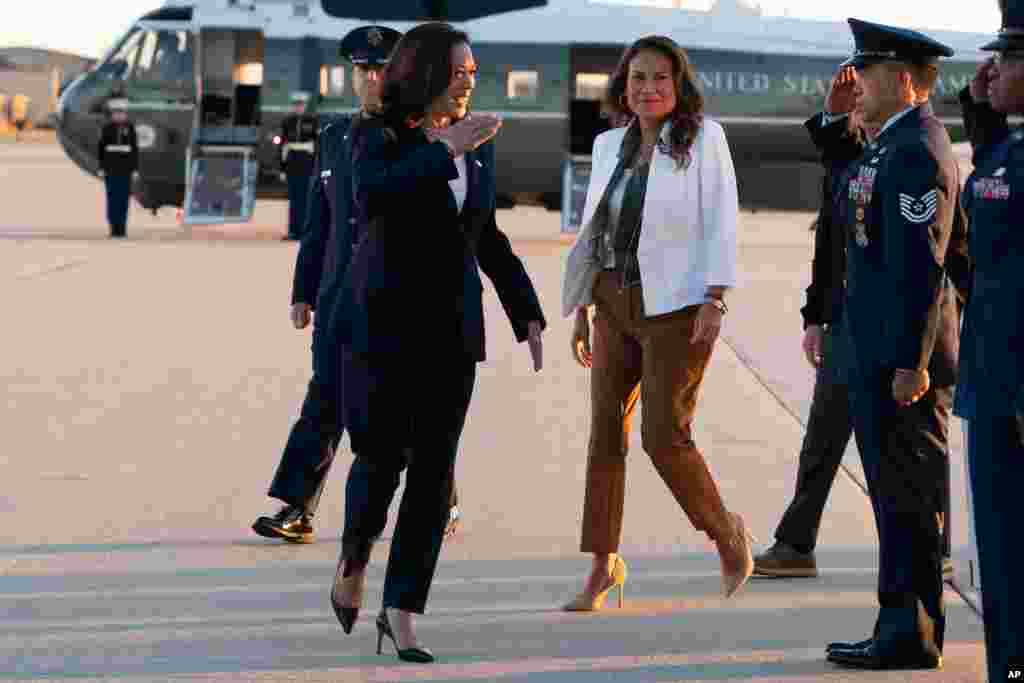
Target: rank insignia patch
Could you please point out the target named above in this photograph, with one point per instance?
(919, 209)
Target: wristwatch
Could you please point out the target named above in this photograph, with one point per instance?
(717, 303)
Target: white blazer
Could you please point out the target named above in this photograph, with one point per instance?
(688, 227)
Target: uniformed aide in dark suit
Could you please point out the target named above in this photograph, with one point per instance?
(320, 263)
(299, 132)
(990, 395)
(118, 157)
(898, 202)
(411, 311)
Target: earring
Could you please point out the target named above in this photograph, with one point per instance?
(622, 102)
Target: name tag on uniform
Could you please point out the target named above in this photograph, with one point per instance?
(992, 188)
(119, 148)
(325, 174)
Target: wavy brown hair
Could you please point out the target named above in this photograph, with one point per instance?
(688, 115)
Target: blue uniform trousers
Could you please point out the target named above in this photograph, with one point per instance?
(997, 470)
(409, 416)
(829, 428)
(311, 446)
(314, 438)
(906, 463)
(119, 193)
(298, 199)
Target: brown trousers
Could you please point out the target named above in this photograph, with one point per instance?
(651, 359)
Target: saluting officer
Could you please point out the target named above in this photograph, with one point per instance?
(299, 132)
(990, 395)
(118, 157)
(898, 202)
(841, 135)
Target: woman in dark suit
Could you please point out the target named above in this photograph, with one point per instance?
(411, 313)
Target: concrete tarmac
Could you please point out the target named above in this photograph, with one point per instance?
(148, 386)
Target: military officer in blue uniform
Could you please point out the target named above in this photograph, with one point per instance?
(990, 394)
(898, 202)
(331, 230)
(299, 132)
(118, 157)
(841, 136)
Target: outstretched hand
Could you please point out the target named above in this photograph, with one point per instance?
(469, 133)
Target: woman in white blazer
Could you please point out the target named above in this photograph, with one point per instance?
(654, 259)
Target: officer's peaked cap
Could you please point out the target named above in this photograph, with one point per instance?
(369, 45)
(880, 43)
(1011, 36)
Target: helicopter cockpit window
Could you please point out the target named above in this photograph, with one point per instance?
(120, 64)
(165, 58)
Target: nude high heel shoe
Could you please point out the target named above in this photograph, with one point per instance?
(584, 602)
(736, 556)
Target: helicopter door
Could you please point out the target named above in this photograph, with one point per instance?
(221, 166)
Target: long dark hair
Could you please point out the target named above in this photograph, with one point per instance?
(420, 71)
(688, 115)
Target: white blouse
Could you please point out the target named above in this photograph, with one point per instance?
(459, 185)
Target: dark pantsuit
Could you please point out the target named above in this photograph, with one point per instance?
(311, 447)
(310, 450)
(997, 470)
(906, 462)
(411, 417)
(119, 193)
(298, 197)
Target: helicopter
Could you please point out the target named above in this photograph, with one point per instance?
(208, 83)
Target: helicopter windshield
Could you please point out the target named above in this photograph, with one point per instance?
(150, 59)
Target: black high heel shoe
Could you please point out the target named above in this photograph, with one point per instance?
(348, 615)
(411, 654)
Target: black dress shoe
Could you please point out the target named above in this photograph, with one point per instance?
(877, 657)
(840, 645)
(291, 524)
